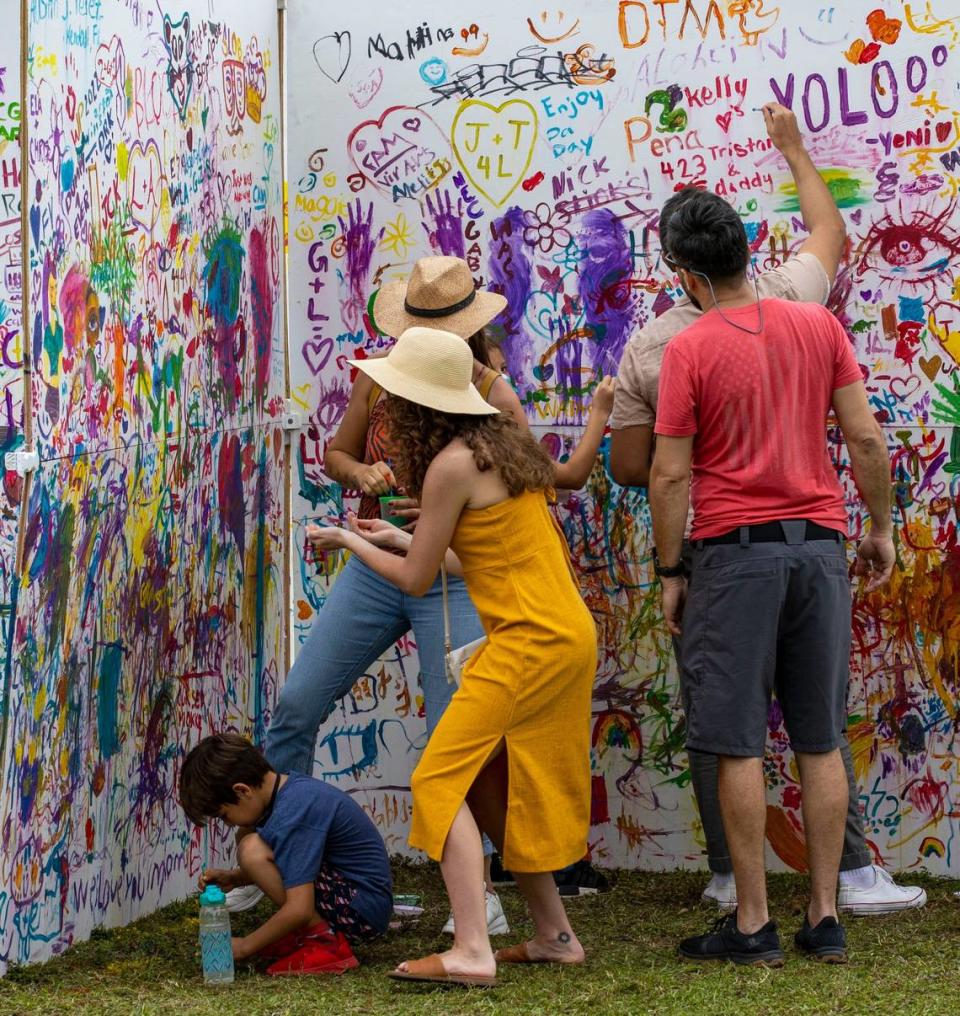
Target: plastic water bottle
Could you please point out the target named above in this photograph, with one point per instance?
(216, 951)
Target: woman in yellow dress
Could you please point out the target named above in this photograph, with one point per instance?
(511, 754)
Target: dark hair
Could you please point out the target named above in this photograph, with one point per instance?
(212, 768)
(703, 233)
(497, 443)
(671, 205)
(479, 344)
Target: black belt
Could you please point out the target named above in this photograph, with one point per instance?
(771, 532)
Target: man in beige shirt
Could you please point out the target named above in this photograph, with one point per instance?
(807, 276)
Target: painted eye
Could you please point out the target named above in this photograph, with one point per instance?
(912, 248)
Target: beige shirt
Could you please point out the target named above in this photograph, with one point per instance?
(635, 403)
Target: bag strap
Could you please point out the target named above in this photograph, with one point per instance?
(447, 641)
(487, 380)
(375, 392)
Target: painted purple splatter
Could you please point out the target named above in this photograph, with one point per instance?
(359, 243)
(230, 490)
(261, 305)
(510, 276)
(608, 304)
(444, 225)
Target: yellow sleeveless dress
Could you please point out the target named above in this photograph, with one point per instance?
(529, 686)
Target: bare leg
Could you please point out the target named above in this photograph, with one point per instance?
(744, 809)
(462, 868)
(555, 940)
(824, 785)
(255, 860)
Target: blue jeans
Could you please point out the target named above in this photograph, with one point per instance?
(363, 616)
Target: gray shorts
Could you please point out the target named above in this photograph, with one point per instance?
(759, 619)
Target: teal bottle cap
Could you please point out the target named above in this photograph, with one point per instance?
(212, 896)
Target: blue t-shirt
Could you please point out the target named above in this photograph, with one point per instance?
(312, 824)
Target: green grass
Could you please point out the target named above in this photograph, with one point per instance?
(907, 963)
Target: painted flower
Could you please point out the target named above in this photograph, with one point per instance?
(544, 229)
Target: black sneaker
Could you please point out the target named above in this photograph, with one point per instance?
(580, 879)
(498, 874)
(826, 942)
(727, 942)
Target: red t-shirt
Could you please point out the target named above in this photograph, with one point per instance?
(758, 407)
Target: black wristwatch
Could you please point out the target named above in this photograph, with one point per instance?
(675, 571)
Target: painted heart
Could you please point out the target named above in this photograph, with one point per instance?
(225, 187)
(856, 48)
(931, 367)
(861, 52)
(364, 92)
(856, 216)
(882, 28)
(494, 145)
(543, 372)
(904, 388)
(723, 119)
(332, 55)
(399, 161)
(865, 294)
(943, 130)
(316, 354)
(870, 53)
(304, 610)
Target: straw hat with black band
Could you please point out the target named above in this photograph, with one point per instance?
(432, 368)
(439, 294)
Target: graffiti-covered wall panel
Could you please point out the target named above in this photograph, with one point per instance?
(150, 607)
(11, 335)
(539, 144)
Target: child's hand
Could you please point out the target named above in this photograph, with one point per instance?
(240, 949)
(222, 877)
(602, 404)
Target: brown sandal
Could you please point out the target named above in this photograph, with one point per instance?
(521, 954)
(431, 968)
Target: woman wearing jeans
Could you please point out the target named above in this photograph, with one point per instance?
(364, 614)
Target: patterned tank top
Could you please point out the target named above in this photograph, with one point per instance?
(379, 447)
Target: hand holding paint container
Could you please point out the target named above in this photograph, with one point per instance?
(386, 501)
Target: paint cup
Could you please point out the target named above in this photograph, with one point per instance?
(386, 501)
(406, 912)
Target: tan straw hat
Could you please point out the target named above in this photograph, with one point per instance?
(431, 368)
(439, 294)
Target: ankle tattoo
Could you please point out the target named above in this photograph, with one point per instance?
(564, 938)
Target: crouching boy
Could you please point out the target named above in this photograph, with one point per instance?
(311, 849)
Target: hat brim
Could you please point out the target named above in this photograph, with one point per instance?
(391, 317)
(466, 402)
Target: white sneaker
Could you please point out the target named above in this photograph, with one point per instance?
(496, 918)
(883, 897)
(722, 892)
(246, 897)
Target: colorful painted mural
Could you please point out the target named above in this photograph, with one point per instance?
(539, 145)
(150, 597)
(11, 336)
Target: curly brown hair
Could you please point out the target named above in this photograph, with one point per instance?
(420, 434)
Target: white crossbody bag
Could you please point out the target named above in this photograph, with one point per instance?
(456, 658)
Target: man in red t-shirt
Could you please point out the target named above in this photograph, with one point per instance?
(745, 394)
